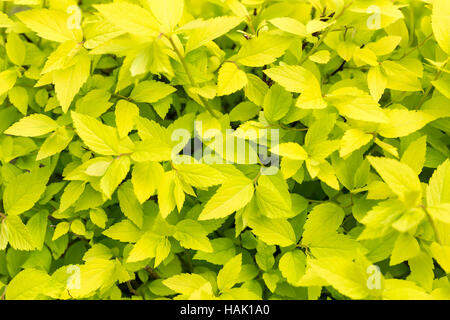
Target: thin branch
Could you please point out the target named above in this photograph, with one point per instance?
(131, 289)
(325, 34)
(433, 225)
(122, 97)
(152, 272)
(416, 47)
(190, 77)
(427, 92)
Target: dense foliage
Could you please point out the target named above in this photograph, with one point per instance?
(352, 96)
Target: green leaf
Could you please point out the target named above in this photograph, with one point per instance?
(440, 21)
(61, 229)
(301, 80)
(208, 30)
(400, 178)
(78, 227)
(33, 126)
(352, 140)
(322, 220)
(166, 193)
(145, 179)
(223, 251)
(348, 277)
(71, 194)
(130, 205)
(273, 198)
(377, 82)
(290, 25)
(229, 275)
(124, 231)
(98, 217)
(69, 81)
(115, 174)
(99, 98)
(443, 86)
(98, 137)
(5, 22)
(192, 235)
(356, 104)
(400, 77)
(231, 79)
(273, 231)
(168, 13)
(264, 256)
(29, 284)
(17, 233)
(49, 24)
(15, 49)
(63, 57)
(276, 103)
(402, 122)
(185, 283)
(290, 150)
(422, 273)
(244, 111)
(255, 90)
(292, 266)
(261, 50)
(322, 57)
(438, 190)
(94, 274)
(144, 248)
(37, 226)
(151, 91)
(440, 212)
(292, 78)
(405, 248)
(442, 255)
(22, 192)
(8, 78)
(199, 175)
(55, 143)
(233, 195)
(414, 155)
(130, 18)
(384, 45)
(126, 113)
(162, 251)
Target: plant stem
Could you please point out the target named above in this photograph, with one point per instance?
(322, 38)
(257, 176)
(427, 92)
(122, 97)
(250, 25)
(131, 289)
(293, 129)
(190, 77)
(433, 225)
(416, 47)
(187, 254)
(152, 272)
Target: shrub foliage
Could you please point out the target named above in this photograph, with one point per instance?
(352, 97)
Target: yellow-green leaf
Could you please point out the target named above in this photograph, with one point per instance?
(231, 79)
